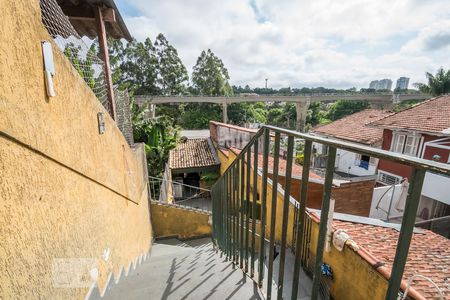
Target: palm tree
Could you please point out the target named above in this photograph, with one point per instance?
(437, 84)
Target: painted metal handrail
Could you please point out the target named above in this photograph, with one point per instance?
(234, 204)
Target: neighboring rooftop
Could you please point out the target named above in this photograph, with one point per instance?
(353, 128)
(193, 154)
(297, 169)
(428, 254)
(431, 116)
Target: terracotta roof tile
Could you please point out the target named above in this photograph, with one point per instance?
(353, 128)
(432, 116)
(429, 253)
(193, 153)
(296, 168)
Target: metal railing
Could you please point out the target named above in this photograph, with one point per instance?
(181, 194)
(235, 196)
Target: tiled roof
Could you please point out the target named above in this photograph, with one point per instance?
(353, 128)
(431, 116)
(429, 253)
(192, 153)
(296, 168)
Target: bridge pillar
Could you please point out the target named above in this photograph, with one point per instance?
(302, 110)
(224, 112)
(151, 111)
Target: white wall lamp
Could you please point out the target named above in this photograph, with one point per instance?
(49, 67)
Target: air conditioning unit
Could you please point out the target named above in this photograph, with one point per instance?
(388, 178)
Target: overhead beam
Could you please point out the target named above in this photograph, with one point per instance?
(382, 98)
(89, 13)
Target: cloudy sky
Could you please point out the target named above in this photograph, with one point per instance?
(295, 43)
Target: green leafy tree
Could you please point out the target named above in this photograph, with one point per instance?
(138, 68)
(342, 108)
(282, 115)
(172, 74)
(438, 84)
(241, 113)
(159, 136)
(210, 77)
(116, 49)
(317, 114)
(198, 115)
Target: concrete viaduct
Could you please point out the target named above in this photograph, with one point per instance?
(301, 101)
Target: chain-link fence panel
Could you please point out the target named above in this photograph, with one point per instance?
(81, 51)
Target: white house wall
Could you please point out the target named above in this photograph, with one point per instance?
(382, 196)
(231, 137)
(437, 187)
(346, 162)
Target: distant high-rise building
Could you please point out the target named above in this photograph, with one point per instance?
(402, 83)
(374, 84)
(383, 84)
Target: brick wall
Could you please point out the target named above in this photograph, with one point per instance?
(351, 198)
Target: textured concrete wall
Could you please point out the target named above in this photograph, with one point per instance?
(66, 191)
(174, 221)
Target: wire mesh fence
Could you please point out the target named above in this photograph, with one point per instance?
(81, 52)
(123, 114)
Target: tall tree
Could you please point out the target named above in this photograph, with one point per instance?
(437, 84)
(172, 74)
(210, 77)
(138, 67)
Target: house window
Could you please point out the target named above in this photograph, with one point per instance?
(364, 161)
(406, 144)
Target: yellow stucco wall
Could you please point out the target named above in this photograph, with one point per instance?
(226, 161)
(66, 191)
(354, 278)
(184, 223)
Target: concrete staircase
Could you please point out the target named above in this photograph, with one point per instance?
(184, 270)
(194, 270)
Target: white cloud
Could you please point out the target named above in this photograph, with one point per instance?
(304, 43)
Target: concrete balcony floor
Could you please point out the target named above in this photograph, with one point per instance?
(194, 270)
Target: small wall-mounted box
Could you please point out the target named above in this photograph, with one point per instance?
(101, 123)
